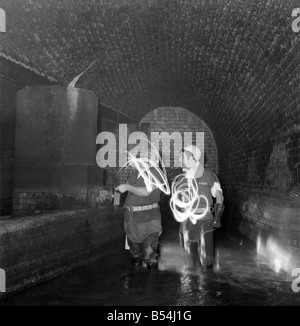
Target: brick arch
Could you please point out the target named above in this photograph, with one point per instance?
(177, 119)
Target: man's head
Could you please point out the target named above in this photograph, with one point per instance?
(190, 156)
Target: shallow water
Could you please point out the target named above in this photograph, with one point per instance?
(239, 278)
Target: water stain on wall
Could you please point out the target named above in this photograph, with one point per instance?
(293, 150)
(277, 171)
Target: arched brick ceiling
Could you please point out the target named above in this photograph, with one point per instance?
(221, 59)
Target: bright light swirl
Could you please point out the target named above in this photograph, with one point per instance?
(185, 199)
(143, 165)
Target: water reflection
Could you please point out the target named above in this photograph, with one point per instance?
(274, 255)
(237, 279)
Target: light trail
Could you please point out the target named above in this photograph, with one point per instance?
(144, 166)
(185, 199)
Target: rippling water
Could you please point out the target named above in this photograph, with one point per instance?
(239, 278)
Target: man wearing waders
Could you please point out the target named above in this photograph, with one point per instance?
(142, 218)
(201, 231)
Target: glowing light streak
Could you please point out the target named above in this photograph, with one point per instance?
(144, 166)
(185, 199)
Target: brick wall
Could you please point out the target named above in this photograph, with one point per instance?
(37, 248)
(176, 119)
(165, 119)
(261, 170)
(33, 202)
(263, 190)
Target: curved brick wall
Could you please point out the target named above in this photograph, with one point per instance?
(171, 119)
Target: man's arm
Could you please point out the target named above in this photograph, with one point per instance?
(219, 208)
(139, 191)
(217, 192)
(219, 197)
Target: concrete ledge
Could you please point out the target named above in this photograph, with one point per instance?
(34, 249)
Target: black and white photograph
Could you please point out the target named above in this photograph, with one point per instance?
(149, 155)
